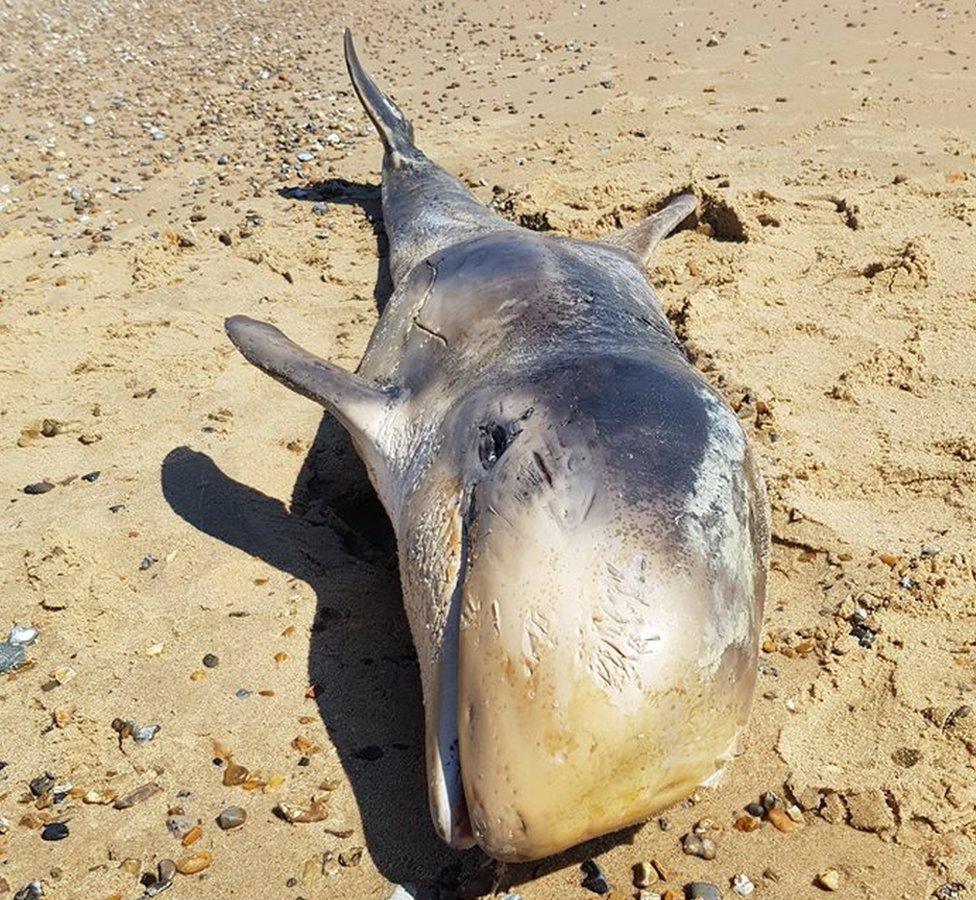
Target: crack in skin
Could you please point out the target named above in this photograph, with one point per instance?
(415, 318)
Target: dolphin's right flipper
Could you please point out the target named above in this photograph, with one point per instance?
(363, 409)
(642, 238)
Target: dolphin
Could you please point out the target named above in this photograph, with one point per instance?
(582, 530)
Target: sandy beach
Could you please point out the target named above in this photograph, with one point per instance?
(200, 550)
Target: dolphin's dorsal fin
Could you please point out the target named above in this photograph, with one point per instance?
(394, 128)
(642, 239)
(361, 408)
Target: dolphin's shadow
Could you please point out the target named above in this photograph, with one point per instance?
(361, 652)
(368, 198)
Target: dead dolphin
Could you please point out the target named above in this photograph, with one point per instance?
(582, 530)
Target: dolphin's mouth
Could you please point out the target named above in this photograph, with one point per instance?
(449, 806)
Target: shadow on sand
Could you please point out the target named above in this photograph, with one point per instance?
(335, 536)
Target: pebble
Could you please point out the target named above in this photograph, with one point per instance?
(40, 785)
(178, 826)
(144, 792)
(23, 635)
(698, 845)
(702, 890)
(317, 811)
(30, 891)
(12, 657)
(756, 809)
(742, 885)
(644, 875)
(234, 775)
(211, 660)
(231, 817)
(56, 831)
(747, 823)
(951, 890)
(196, 862)
(38, 487)
(166, 870)
(351, 858)
(829, 880)
(781, 820)
(100, 796)
(594, 878)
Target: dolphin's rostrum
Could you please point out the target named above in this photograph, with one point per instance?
(582, 531)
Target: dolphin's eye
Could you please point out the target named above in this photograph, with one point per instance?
(492, 443)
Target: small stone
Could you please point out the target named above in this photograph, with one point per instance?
(311, 872)
(594, 878)
(178, 825)
(30, 891)
(305, 156)
(951, 890)
(196, 862)
(742, 885)
(644, 875)
(829, 880)
(100, 796)
(756, 809)
(211, 660)
(12, 657)
(64, 674)
(746, 823)
(192, 836)
(234, 775)
(781, 820)
(702, 890)
(317, 811)
(698, 845)
(351, 858)
(231, 817)
(143, 733)
(23, 635)
(38, 487)
(56, 831)
(166, 870)
(144, 792)
(42, 784)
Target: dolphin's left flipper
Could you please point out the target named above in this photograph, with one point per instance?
(362, 408)
(642, 238)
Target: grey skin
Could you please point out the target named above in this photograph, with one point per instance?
(581, 528)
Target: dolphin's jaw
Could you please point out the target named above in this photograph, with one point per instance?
(448, 805)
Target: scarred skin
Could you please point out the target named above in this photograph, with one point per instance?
(582, 531)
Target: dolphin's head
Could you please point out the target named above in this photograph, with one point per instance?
(594, 635)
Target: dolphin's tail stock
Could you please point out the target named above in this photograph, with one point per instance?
(394, 129)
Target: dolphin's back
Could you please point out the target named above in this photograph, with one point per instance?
(424, 207)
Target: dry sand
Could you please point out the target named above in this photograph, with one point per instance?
(148, 187)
